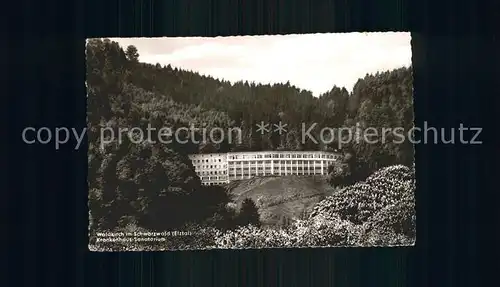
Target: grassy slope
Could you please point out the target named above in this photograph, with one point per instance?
(280, 197)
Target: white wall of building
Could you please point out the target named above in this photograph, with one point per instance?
(221, 168)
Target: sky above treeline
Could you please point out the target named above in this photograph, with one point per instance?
(314, 62)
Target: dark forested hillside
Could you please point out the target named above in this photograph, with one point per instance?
(153, 185)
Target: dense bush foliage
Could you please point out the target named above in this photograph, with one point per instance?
(377, 212)
(362, 200)
(248, 214)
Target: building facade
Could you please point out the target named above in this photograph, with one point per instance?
(221, 168)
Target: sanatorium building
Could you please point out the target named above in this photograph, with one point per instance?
(221, 168)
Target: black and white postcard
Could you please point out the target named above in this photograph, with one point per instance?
(286, 141)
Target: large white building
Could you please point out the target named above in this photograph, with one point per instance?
(221, 168)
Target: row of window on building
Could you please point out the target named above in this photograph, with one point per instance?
(210, 166)
(235, 170)
(238, 175)
(290, 167)
(283, 155)
(211, 172)
(216, 180)
(232, 163)
(211, 160)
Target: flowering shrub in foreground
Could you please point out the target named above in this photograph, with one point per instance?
(319, 231)
(362, 200)
(377, 212)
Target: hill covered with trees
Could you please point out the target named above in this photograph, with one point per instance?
(154, 186)
(379, 211)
